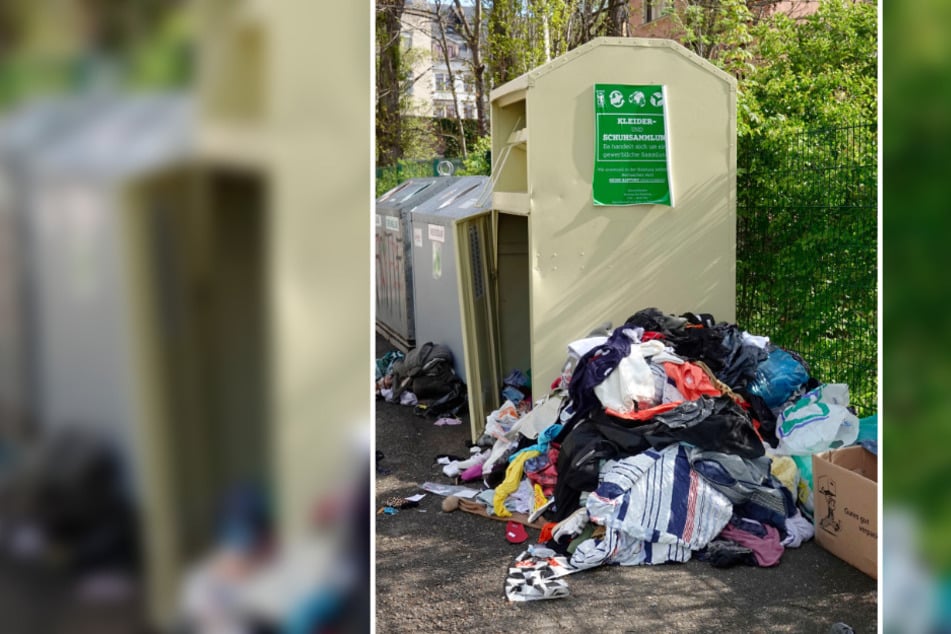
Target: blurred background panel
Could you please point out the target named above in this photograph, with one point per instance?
(916, 465)
(184, 314)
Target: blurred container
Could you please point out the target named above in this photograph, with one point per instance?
(395, 314)
(24, 134)
(436, 292)
(75, 254)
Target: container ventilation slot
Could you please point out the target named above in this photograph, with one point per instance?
(475, 253)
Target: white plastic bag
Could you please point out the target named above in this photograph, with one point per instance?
(817, 422)
(499, 423)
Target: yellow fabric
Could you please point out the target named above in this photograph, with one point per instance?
(786, 471)
(513, 475)
(540, 499)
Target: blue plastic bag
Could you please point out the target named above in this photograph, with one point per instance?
(777, 378)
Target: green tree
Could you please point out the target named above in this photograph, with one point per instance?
(390, 72)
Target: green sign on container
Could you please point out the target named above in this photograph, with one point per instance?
(630, 147)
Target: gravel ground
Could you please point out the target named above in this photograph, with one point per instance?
(444, 572)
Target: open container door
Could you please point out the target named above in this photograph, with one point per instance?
(476, 270)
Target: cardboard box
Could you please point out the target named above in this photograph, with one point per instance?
(845, 494)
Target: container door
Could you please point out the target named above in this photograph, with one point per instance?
(475, 245)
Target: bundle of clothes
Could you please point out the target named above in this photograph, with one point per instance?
(667, 438)
(423, 378)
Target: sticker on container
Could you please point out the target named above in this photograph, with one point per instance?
(437, 233)
(379, 221)
(631, 152)
(392, 223)
(437, 260)
(417, 237)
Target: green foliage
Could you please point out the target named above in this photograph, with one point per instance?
(818, 72)
(478, 161)
(525, 34)
(807, 191)
(448, 132)
(164, 58)
(389, 177)
(418, 138)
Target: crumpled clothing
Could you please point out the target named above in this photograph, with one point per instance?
(785, 470)
(408, 398)
(749, 525)
(653, 319)
(513, 477)
(722, 553)
(755, 340)
(545, 476)
(798, 530)
(592, 369)
(655, 509)
(691, 381)
(631, 383)
(665, 391)
(385, 363)
(739, 479)
(709, 424)
(768, 550)
(645, 414)
(725, 426)
(521, 500)
(741, 360)
(545, 439)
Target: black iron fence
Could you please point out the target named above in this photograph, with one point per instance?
(806, 251)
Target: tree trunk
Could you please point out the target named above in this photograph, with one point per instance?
(389, 14)
(447, 59)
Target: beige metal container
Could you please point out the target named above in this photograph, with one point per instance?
(560, 265)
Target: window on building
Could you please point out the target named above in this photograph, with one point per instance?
(469, 110)
(442, 81)
(407, 41)
(653, 9)
(444, 109)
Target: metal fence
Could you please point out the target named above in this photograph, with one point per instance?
(806, 251)
(389, 177)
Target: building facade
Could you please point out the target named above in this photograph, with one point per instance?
(652, 18)
(429, 81)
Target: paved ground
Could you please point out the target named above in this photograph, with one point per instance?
(40, 600)
(444, 572)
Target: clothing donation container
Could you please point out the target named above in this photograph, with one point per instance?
(613, 189)
(395, 315)
(435, 274)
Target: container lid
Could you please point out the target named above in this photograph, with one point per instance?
(459, 200)
(411, 193)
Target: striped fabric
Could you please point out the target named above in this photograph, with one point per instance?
(656, 509)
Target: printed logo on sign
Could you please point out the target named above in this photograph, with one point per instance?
(392, 223)
(617, 99)
(437, 233)
(637, 98)
(657, 99)
(600, 97)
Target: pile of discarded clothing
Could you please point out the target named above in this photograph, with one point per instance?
(669, 438)
(423, 378)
